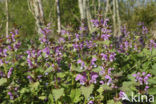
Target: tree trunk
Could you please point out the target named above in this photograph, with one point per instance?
(37, 10)
(107, 8)
(81, 10)
(99, 5)
(118, 18)
(114, 19)
(58, 17)
(7, 18)
(89, 17)
(83, 13)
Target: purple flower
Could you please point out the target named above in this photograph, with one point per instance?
(90, 102)
(29, 63)
(13, 36)
(1, 62)
(105, 36)
(46, 51)
(134, 75)
(2, 74)
(10, 72)
(76, 46)
(95, 22)
(112, 57)
(93, 62)
(102, 72)
(109, 70)
(82, 63)
(126, 45)
(45, 31)
(121, 94)
(17, 45)
(39, 53)
(143, 73)
(144, 30)
(63, 32)
(30, 78)
(149, 75)
(39, 76)
(94, 76)
(81, 78)
(104, 56)
(146, 88)
(109, 79)
(101, 82)
(61, 40)
(152, 44)
(11, 95)
(77, 36)
(5, 52)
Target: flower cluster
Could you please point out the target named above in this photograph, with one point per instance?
(72, 64)
(142, 78)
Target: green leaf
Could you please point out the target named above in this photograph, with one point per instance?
(3, 81)
(51, 98)
(49, 69)
(106, 87)
(112, 102)
(24, 90)
(78, 69)
(34, 86)
(152, 91)
(61, 75)
(100, 90)
(152, 81)
(42, 97)
(58, 93)
(98, 69)
(40, 69)
(75, 94)
(74, 68)
(106, 42)
(153, 71)
(128, 87)
(86, 91)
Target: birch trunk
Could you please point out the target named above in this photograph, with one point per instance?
(118, 18)
(7, 18)
(81, 10)
(89, 17)
(58, 17)
(99, 5)
(83, 13)
(107, 8)
(114, 18)
(37, 10)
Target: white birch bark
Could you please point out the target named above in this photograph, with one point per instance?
(37, 10)
(58, 17)
(7, 18)
(114, 19)
(89, 17)
(99, 4)
(81, 10)
(118, 18)
(107, 8)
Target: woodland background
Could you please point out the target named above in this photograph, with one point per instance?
(30, 15)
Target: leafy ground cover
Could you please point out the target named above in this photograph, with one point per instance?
(78, 68)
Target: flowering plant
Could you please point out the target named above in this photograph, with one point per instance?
(79, 68)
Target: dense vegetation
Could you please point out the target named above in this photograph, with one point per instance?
(78, 65)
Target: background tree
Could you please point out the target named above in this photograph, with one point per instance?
(37, 10)
(58, 16)
(7, 17)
